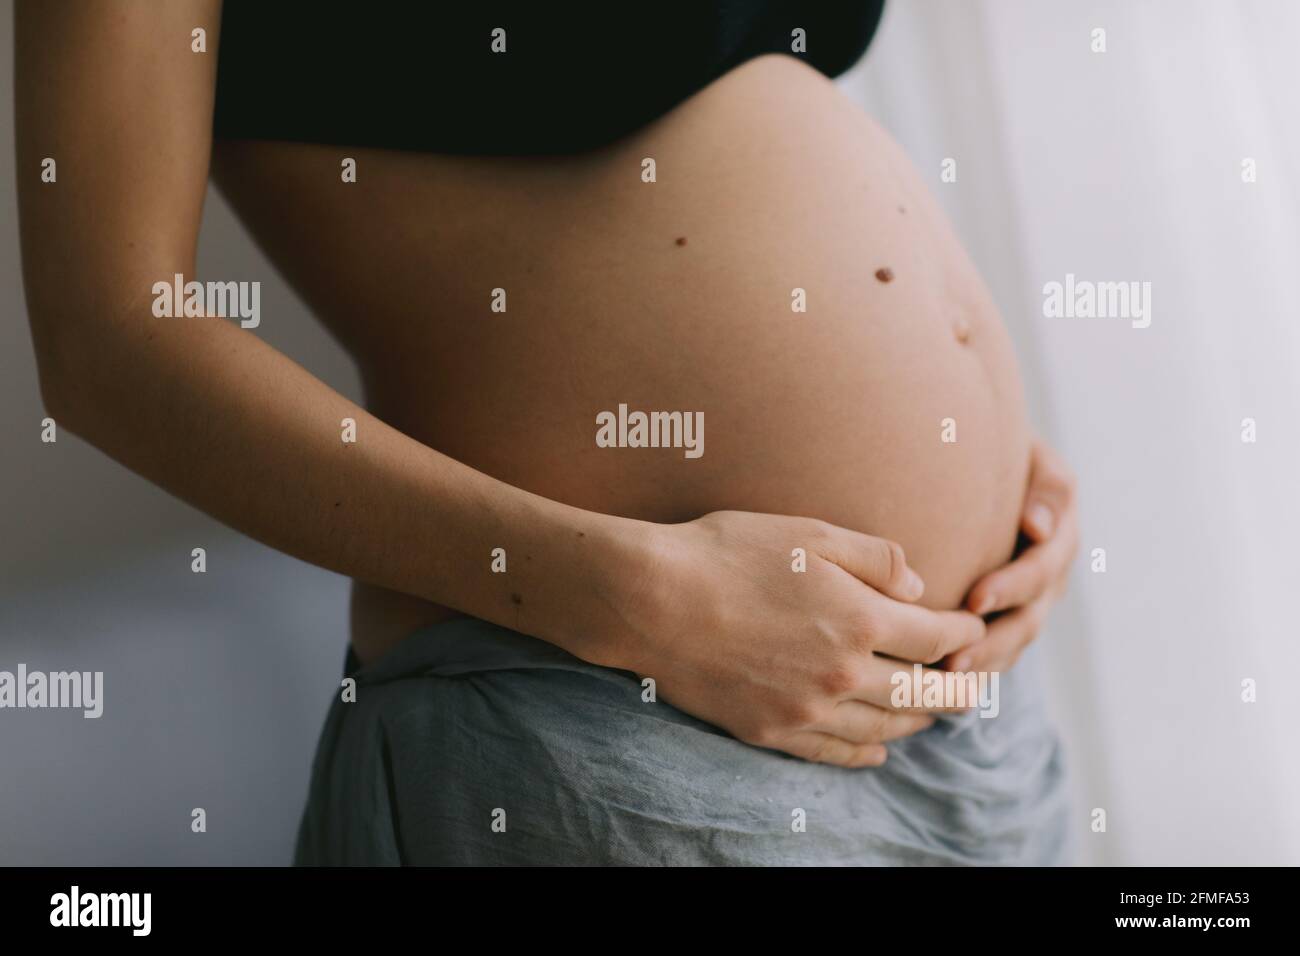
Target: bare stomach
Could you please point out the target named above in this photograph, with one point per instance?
(892, 405)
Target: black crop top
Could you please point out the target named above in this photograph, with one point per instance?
(424, 75)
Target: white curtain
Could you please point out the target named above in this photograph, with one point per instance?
(1127, 165)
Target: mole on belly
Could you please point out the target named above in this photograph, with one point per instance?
(885, 275)
(681, 240)
(961, 329)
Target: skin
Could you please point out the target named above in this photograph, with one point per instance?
(623, 562)
(1019, 595)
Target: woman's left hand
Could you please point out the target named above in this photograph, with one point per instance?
(1025, 589)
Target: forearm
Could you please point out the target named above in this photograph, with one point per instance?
(219, 418)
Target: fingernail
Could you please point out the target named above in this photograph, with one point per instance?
(1040, 518)
(962, 663)
(913, 586)
(986, 603)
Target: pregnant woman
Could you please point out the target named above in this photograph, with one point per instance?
(572, 643)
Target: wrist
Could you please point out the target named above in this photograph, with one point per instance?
(615, 578)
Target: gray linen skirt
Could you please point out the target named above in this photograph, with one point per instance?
(471, 744)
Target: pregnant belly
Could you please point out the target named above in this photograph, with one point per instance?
(763, 260)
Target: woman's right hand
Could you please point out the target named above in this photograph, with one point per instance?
(797, 661)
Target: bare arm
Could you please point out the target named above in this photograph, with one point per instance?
(710, 608)
(113, 93)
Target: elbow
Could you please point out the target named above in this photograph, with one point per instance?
(61, 377)
(55, 396)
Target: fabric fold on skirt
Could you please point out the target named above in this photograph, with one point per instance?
(472, 744)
